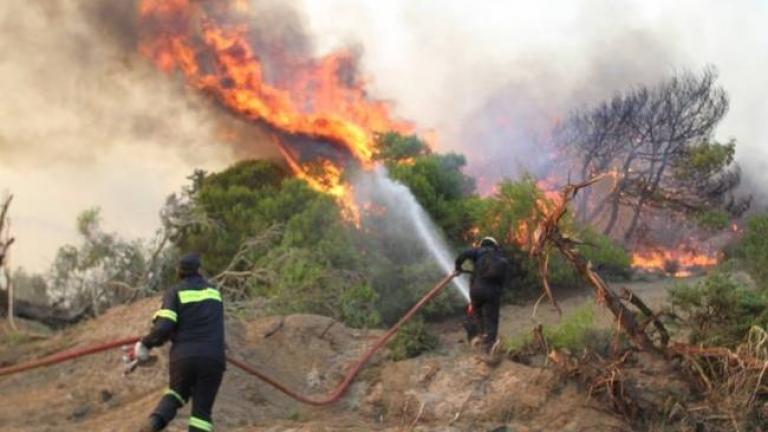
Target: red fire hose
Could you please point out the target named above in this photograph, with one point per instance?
(66, 355)
(334, 396)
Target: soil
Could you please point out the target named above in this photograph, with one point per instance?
(448, 389)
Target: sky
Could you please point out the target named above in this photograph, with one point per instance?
(85, 122)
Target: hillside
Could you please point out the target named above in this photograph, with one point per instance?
(446, 390)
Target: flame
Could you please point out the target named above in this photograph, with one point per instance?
(679, 263)
(319, 101)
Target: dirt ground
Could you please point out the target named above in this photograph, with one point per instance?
(446, 390)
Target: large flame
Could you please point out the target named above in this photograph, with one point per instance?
(319, 101)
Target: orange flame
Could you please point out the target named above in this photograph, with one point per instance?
(217, 58)
(679, 263)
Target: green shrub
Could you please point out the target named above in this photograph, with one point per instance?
(717, 311)
(574, 331)
(609, 258)
(754, 249)
(412, 340)
(713, 219)
(577, 330)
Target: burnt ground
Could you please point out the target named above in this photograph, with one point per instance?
(446, 390)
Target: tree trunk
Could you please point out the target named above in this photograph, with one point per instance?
(5, 243)
(613, 219)
(9, 284)
(635, 218)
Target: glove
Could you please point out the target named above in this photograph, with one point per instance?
(140, 352)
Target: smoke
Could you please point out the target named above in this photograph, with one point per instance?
(493, 77)
(85, 121)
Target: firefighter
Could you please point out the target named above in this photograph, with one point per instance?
(192, 318)
(490, 268)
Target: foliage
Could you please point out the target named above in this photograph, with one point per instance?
(714, 220)
(29, 286)
(705, 159)
(436, 180)
(718, 311)
(510, 215)
(609, 258)
(412, 340)
(288, 242)
(102, 271)
(754, 249)
(395, 147)
(576, 331)
(237, 203)
(658, 139)
(502, 213)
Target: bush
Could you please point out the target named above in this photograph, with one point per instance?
(754, 249)
(717, 311)
(609, 259)
(576, 331)
(714, 220)
(573, 330)
(412, 340)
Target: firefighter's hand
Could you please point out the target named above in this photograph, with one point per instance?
(140, 352)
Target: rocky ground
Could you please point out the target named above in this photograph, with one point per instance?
(446, 390)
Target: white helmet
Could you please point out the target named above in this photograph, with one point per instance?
(489, 241)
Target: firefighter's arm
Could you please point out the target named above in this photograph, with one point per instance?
(164, 321)
(467, 254)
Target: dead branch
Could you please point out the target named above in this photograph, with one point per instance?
(630, 296)
(242, 266)
(548, 233)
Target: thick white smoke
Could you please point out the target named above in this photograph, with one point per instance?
(491, 76)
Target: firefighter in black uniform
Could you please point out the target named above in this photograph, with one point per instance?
(192, 318)
(488, 277)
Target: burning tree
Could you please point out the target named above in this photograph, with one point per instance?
(659, 140)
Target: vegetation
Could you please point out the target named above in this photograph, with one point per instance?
(658, 139)
(718, 311)
(753, 250)
(264, 233)
(609, 258)
(100, 272)
(412, 340)
(576, 331)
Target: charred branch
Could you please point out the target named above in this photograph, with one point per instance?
(652, 317)
(547, 235)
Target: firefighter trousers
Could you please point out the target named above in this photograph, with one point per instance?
(485, 302)
(196, 378)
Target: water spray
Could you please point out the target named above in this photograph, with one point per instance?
(399, 199)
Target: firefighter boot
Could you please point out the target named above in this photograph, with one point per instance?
(152, 424)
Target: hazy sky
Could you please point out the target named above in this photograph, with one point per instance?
(85, 123)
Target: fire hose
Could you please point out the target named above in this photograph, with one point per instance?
(333, 397)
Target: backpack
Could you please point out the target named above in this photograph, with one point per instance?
(492, 266)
